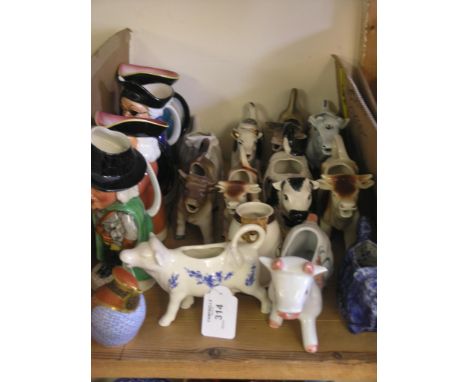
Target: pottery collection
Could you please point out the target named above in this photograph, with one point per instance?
(259, 229)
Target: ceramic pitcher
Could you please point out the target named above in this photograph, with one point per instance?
(119, 216)
(263, 215)
(147, 92)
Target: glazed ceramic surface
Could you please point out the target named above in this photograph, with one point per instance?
(263, 215)
(147, 92)
(282, 166)
(247, 135)
(309, 241)
(339, 175)
(197, 200)
(295, 295)
(339, 161)
(357, 282)
(119, 216)
(191, 271)
(291, 113)
(324, 127)
(197, 143)
(144, 135)
(342, 212)
(295, 199)
(240, 187)
(118, 310)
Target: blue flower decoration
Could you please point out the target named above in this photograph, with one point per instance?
(211, 280)
(251, 276)
(173, 281)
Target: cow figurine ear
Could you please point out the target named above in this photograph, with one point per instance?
(343, 123)
(235, 134)
(315, 185)
(253, 188)
(365, 181)
(221, 186)
(277, 185)
(318, 270)
(182, 174)
(326, 183)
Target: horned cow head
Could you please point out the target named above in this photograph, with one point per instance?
(345, 190)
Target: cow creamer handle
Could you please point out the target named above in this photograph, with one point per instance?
(243, 230)
(154, 209)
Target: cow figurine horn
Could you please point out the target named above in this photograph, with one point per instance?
(308, 268)
(277, 265)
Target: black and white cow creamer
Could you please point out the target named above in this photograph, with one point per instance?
(295, 198)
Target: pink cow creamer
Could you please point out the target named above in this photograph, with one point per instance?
(295, 295)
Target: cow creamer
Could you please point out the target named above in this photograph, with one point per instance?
(192, 271)
(295, 295)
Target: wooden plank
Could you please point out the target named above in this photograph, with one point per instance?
(257, 352)
(362, 129)
(368, 61)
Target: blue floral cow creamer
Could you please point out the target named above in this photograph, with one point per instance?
(192, 271)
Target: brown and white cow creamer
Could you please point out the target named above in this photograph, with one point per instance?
(341, 212)
(192, 271)
(236, 192)
(295, 295)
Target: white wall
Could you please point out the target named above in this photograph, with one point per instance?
(230, 52)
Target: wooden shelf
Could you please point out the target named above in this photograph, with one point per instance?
(257, 352)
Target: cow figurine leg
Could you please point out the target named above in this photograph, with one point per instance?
(260, 293)
(187, 302)
(175, 300)
(181, 220)
(275, 320)
(350, 232)
(308, 320)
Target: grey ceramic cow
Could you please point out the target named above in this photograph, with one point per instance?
(324, 127)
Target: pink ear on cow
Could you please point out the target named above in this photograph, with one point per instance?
(277, 265)
(308, 268)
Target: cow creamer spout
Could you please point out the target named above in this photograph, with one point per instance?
(295, 295)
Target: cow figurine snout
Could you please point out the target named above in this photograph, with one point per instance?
(297, 217)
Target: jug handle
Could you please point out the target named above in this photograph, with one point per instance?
(154, 209)
(243, 230)
(177, 125)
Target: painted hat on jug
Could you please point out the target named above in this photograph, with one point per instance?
(146, 85)
(115, 164)
(135, 127)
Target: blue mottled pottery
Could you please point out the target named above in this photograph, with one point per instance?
(113, 328)
(357, 284)
(118, 310)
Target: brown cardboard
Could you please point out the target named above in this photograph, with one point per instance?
(104, 64)
(362, 128)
